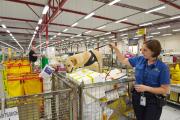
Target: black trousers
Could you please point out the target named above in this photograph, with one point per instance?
(149, 112)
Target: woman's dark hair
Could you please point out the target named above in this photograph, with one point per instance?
(154, 46)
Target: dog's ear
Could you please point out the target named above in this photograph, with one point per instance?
(74, 61)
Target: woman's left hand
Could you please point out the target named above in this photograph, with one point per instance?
(141, 88)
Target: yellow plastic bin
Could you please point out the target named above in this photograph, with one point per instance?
(15, 88)
(32, 86)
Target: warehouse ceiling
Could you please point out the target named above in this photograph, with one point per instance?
(67, 21)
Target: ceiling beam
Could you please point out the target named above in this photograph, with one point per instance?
(57, 24)
(133, 8)
(96, 16)
(32, 10)
(170, 3)
(151, 26)
(48, 18)
(21, 28)
(26, 2)
(67, 10)
(15, 33)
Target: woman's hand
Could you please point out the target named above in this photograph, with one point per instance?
(142, 88)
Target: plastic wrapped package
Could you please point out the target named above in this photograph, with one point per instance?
(87, 76)
(46, 72)
(50, 52)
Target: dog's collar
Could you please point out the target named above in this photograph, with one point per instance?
(91, 60)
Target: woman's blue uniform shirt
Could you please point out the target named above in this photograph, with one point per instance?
(153, 75)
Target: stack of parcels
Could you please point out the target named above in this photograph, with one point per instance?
(115, 74)
(89, 77)
(86, 76)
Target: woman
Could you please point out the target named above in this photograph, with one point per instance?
(152, 80)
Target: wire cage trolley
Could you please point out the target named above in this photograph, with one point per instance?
(56, 105)
(110, 100)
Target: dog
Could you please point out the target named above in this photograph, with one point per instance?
(90, 59)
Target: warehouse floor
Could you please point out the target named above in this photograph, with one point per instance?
(170, 113)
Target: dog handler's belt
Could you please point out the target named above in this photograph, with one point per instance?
(91, 60)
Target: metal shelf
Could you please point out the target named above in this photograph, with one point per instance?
(175, 103)
(175, 88)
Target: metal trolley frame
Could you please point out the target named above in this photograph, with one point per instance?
(88, 106)
(54, 105)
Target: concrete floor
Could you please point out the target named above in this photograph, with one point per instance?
(170, 113)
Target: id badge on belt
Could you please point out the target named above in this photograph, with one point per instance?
(143, 100)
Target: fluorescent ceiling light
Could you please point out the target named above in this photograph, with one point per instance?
(175, 17)
(37, 28)
(155, 33)
(137, 35)
(166, 34)
(4, 46)
(8, 45)
(40, 21)
(135, 38)
(67, 39)
(89, 15)
(96, 35)
(123, 29)
(4, 26)
(111, 36)
(113, 2)
(88, 31)
(53, 43)
(164, 27)
(175, 30)
(149, 36)
(54, 36)
(65, 30)
(35, 32)
(125, 38)
(107, 33)
(7, 31)
(123, 35)
(101, 38)
(17, 42)
(10, 34)
(74, 24)
(40, 44)
(72, 37)
(46, 8)
(155, 9)
(122, 20)
(78, 35)
(146, 24)
(59, 34)
(31, 42)
(101, 27)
